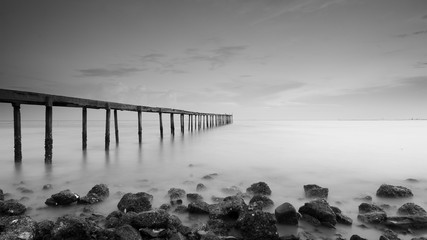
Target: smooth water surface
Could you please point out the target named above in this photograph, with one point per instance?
(351, 158)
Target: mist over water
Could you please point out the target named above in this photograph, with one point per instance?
(351, 158)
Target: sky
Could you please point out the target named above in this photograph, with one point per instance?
(255, 59)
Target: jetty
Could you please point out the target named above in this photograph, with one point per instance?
(196, 120)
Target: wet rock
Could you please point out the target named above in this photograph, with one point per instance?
(231, 207)
(71, 228)
(218, 227)
(217, 199)
(390, 191)
(177, 236)
(315, 191)
(166, 206)
(17, 227)
(150, 219)
(255, 225)
(1, 195)
(181, 209)
(65, 197)
(25, 190)
(370, 213)
(44, 229)
(341, 218)
(137, 202)
(286, 214)
(306, 236)
(153, 233)
(200, 187)
(411, 209)
(357, 237)
(11, 208)
(260, 188)
(420, 238)
(199, 207)
(289, 237)
(176, 193)
(389, 235)
(176, 201)
(193, 197)
(97, 194)
(127, 232)
(407, 222)
(210, 176)
(320, 210)
(231, 190)
(261, 201)
(118, 218)
(47, 187)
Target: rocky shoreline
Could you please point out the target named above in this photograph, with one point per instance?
(241, 215)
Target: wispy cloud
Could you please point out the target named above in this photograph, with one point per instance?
(404, 35)
(108, 72)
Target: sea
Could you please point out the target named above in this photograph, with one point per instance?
(350, 158)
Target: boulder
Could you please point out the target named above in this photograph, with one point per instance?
(1, 195)
(47, 187)
(200, 187)
(194, 197)
(407, 222)
(411, 209)
(231, 207)
(320, 210)
(261, 201)
(127, 232)
(305, 236)
(341, 218)
(176, 193)
(218, 226)
(255, 225)
(71, 228)
(17, 227)
(260, 188)
(286, 214)
(199, 207)
(390, 191)
(44, 229)
(97, 194)
(210, 176)
(357, 237)
(389, 235)
(137, 202)
(25, 190)
(150, 219)
(315, 191)
(118, 218)
(65, 197)
(370, 213)
(11, 208)
(181, 209)
(312, 220)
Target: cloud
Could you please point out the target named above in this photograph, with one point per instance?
(404, 35)
(108, 72)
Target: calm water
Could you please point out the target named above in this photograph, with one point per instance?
(351, 158)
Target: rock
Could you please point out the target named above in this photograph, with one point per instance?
(420, 238)
(199, 207)
(262, 201)
(193, 197)
(407, 222)
(315, 191)
(357, 237)
(413, 180)
(118, 218)
(365, 198)
(97, 194)
(71, 228)
(47, 187)
(312, 220)
(370, 213)
(11, 208)
(181, 209)
(65, 197)
(231, 190)
(150, 219)
(127, 232)
(255, 225)
(320, 210)
(17, 227)
(289, 237)
(210, 176)
(200, 187)
(166, 206)
(25, 190)
(390, 191)
(286, 214)
(306, 236)
(1, 195)
(153, 233)
(44, 229)
(137, 202)
(217, 199)
(218, 227)
(177, 236)
(176, 193)
(341, 218)
(389, 235)
(260, 188)
(231, 207)
(176, 201)
(411, 209)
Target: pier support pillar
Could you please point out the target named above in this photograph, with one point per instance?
(17, 132)
(139, 125)
(172, 125)
(107, 128)
(84, 128)
(116, 127)
(161, 124)
(48, 140)
(182, 122)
